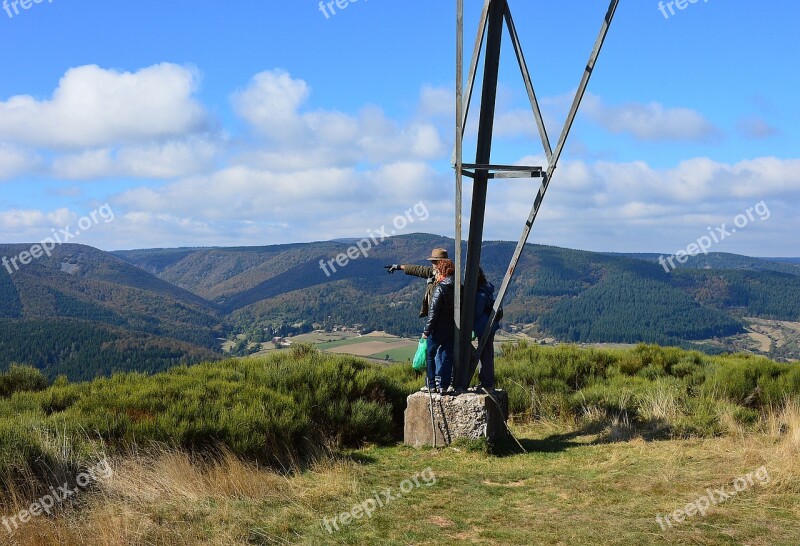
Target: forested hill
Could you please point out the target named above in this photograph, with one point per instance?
(723, 260)
(572, 295)
(83, 311)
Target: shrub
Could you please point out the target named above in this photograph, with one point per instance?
(630, 364)
(675, 390)
(279, 410)
(652, 372)
(285, 408)
(21, 378)
(747, 380)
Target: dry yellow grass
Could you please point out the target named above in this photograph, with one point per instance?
(166, 498)
(568, 489)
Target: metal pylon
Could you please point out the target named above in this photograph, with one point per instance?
(490, 27)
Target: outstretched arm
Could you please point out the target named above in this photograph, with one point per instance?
(424, 271)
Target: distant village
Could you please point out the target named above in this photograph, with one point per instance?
(282, 342)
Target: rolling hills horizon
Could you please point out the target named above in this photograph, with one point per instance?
(183, 302)
(351, 240)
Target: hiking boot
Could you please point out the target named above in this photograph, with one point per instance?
(425, 389)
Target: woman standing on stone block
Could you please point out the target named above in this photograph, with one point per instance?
(440, 328)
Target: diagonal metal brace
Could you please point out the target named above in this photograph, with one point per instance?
(587, 74)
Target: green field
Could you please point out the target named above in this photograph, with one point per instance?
(401, 354)
(351, 341)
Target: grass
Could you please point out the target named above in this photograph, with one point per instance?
(351, 341)
(568, 489)
(403, 354)
(259, 450)
(275, 410)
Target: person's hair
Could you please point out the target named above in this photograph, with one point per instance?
(446, 268)
(481, 277)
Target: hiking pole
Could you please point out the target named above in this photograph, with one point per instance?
(430, 405)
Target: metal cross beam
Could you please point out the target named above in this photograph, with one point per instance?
(495, 12)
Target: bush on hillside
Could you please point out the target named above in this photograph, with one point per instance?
(21, 378)
(681, 392)
(286, 408)
(280, 410)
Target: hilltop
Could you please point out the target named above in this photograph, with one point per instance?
(281, 449)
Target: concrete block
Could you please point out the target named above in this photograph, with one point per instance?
(469, 415)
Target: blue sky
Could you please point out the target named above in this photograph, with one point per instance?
(264, 122)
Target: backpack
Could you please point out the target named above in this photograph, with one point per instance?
(490, 304)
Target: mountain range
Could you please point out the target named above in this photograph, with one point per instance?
(85, 312)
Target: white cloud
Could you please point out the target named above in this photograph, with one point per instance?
(650, 122)
(766, 176)
(301, 197)
(272, 104)
(515, 123)
(692, 183)
(316, 174)
(437, 101)
(171, 159)
(635, 207)
(95, 107)
(645, 122)
(67, 191)
(242, 205)
(313, 174)
(35, 222)
(14, 161)
(599, 206)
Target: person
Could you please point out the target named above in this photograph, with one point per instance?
(484, 300)
(440, 328)
(427, 272)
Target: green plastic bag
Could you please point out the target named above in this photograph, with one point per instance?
(421, 357)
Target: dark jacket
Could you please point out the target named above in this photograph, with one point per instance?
(426, 272)
(440, 318)
(483, 303)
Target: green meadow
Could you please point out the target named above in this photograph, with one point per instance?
(260, 450)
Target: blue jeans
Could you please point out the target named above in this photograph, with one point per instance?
(440, 361)
(486, 373)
